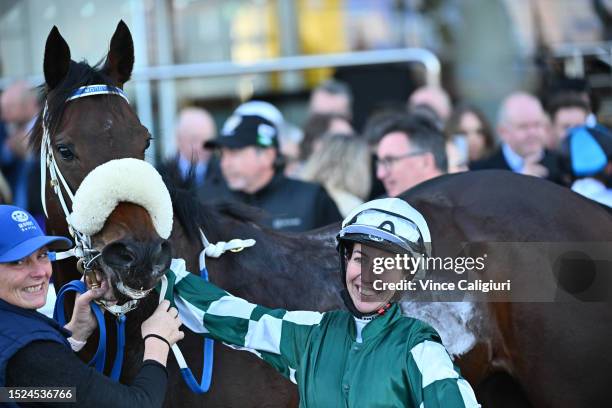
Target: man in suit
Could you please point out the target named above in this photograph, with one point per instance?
(195, 127)
(19, 107)
(522, 130)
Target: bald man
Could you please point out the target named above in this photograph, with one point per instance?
(19, 107)
(195, 126)
(433, 97)
(522, 130)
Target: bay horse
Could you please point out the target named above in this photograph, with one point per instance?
(533, 353)
(540, 354)
(89, 131)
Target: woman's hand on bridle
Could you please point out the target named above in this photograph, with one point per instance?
(83, 322)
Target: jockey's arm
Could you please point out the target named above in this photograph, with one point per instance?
(277, 336)
(434, 380)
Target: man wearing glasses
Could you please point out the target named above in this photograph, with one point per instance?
(410, 151)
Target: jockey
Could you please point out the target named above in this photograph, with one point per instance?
(369, 356)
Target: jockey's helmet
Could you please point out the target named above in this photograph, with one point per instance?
(390, 224)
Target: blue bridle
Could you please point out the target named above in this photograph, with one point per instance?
(99, 358)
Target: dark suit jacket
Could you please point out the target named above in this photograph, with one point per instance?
(497, 161)
(170, 169)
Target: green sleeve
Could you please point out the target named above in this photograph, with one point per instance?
(277, 336)
(434, 381)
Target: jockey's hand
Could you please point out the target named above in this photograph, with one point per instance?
(83, 322)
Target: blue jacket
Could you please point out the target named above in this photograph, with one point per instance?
(19, 327)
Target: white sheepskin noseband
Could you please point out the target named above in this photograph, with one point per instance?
(123, 180)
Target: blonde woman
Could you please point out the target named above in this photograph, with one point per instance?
(342, 165)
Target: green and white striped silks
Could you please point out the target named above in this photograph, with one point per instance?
(398, 362)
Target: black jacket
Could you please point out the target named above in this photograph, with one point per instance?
(289, 204)
(497, 160)
(34, 352)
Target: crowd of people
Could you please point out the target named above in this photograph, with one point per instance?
(304, 178)
(313, 179)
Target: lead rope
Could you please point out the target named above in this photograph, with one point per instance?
(213, 251)
(99, 357)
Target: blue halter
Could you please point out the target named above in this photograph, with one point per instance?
(91, 90)
(100, 356)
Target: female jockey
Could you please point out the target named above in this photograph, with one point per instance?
(369, 356)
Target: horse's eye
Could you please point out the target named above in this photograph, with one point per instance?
(148, 142)
(65, 152)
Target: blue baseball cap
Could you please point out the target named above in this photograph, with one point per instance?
(20, 235)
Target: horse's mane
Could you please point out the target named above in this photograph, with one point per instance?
(79, 74)
(193, 213)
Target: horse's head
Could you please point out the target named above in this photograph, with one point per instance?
(133, 257)
(85, 132)
(87, 121)
(125, 209)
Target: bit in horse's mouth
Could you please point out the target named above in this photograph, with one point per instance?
(117, 292)
(132, 293)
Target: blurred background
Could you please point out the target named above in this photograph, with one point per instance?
(486, 48)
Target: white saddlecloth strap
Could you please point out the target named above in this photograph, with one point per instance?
(219, 248)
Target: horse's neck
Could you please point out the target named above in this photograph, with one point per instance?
(185, 248)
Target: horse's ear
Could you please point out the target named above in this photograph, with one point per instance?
(120, 58)
(57, 58)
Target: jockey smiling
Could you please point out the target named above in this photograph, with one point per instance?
(369, 356)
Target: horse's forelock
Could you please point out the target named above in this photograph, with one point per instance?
(79, 74)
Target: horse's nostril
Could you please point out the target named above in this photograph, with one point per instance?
(119, 254)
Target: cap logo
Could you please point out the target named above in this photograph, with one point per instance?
(265, 134)
(23, 221)
(230, 125)
(19, 216)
